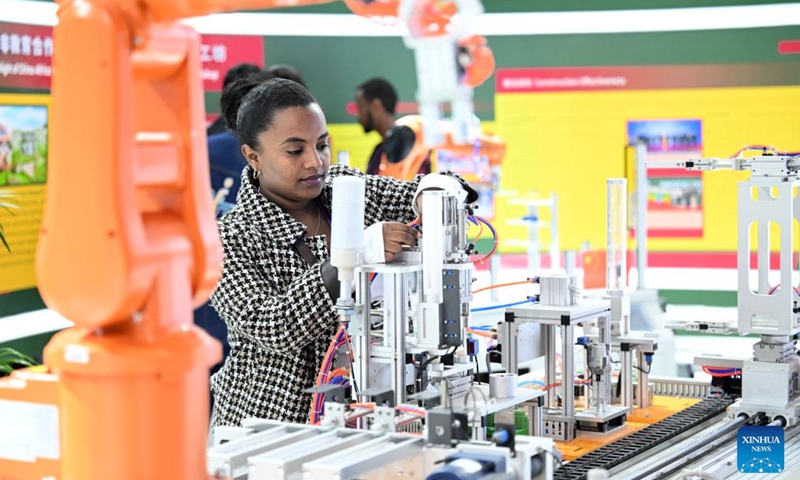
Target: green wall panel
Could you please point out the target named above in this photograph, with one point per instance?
(20, 301)
(334, 66)
(699, 297)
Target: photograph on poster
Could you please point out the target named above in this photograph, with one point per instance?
(674, 196)
(23, 144)
(475, 169)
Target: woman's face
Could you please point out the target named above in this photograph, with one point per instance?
(293, 156)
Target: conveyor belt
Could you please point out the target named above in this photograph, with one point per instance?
(642, 440)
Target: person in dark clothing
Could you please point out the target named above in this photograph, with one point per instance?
(243, 70)
(286, 72)
(376, 100)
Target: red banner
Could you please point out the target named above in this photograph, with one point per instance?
(645, 77)
(26, 52)
(219, 53)
(789, 47)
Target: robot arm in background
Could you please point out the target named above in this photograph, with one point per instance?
(405, 148)
(450, 61)
(172, 10)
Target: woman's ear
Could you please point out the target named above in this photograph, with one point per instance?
(251, 156)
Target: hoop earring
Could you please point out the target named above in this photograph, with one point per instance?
(256, 174)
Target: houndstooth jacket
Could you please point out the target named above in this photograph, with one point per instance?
(280, 316)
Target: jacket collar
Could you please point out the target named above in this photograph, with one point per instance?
(277, 226)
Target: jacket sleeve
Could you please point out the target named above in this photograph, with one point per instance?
(253, 307)
(387, 199)
(392, 198)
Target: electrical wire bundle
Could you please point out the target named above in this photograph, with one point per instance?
(531, 299)
(764, 149)
(778, 286)
(481, 222)
(482, 331)
(722, 372)
(325, 376)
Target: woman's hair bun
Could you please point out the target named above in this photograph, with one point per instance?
(232, 97)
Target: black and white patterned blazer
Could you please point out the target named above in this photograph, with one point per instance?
(280, 316)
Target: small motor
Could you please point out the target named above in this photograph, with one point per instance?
(470, 466)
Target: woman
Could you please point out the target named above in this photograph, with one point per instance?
(278, 289)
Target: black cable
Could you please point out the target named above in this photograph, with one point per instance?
(477, 369)
(639, 368)
(425, 364)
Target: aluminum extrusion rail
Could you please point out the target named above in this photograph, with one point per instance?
(685, 455)
(613, 454)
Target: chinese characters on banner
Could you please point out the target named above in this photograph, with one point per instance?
(219, 53)
(26, 52)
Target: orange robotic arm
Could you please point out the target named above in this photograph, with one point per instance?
(405, 150)
(128, 245)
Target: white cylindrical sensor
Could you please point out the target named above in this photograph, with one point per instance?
(503, 385)
(432, 245)
(616, 242)
(347, 225)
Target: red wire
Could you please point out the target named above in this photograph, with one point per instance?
(714, 374)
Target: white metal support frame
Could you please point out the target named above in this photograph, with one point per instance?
(763, 312)
(770, 378)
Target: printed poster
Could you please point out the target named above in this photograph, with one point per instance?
(24, 155)
(674, 196)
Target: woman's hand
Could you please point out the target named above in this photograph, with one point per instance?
(396, 235)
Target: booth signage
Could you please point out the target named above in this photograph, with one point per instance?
(26, 53)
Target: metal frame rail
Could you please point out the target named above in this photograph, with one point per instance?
(642, 440)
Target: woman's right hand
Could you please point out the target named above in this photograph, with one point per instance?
(395, 236)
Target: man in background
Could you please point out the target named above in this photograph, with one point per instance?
(376, 100)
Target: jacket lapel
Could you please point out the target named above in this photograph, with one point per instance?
(277, 227)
